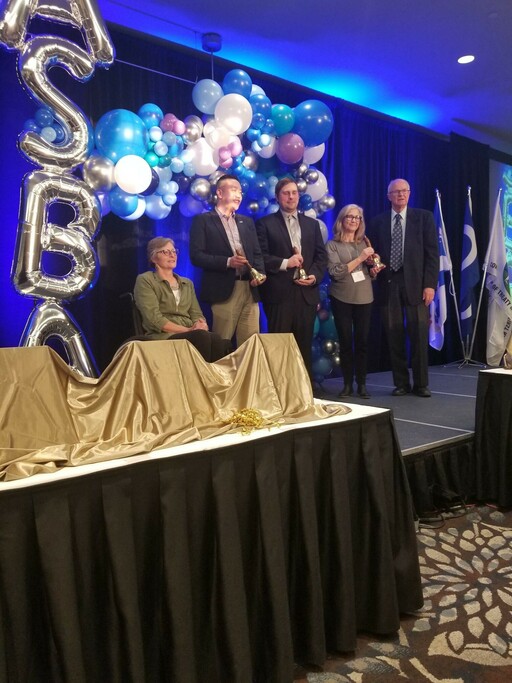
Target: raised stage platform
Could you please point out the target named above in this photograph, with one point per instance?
(436, 435)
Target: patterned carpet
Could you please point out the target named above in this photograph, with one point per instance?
(463, 633)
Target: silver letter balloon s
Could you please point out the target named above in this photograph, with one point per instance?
(54, 181)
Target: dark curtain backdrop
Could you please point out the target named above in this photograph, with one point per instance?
(364, 151)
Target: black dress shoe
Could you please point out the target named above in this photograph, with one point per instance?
(424, 392)
(401, 391)
(346, 391)
(362, 392)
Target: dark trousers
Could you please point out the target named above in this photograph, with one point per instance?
(295, 316)
(210, 345)
(353, 326)
(402, 321)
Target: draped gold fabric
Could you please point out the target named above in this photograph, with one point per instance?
(154, 394)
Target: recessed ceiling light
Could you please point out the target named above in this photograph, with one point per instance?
(466, 59)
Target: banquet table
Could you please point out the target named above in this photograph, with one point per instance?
(222, 560)
(493, 436)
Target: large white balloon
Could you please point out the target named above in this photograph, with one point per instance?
(203, 160)
(133, 174)
(317, 189)
(216, 135)
(313, 154)
(234, 112)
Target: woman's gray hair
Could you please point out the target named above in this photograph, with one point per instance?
(155, 245)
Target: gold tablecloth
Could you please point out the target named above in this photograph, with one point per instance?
(153, 394)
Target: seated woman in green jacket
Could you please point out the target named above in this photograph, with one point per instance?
(169, 306)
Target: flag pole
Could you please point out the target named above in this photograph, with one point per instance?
(451, 288)
(467, 345)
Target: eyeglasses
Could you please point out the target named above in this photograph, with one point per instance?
(357, 219)
(399, 192)
(169, 252)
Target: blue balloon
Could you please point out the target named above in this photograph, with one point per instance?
(120, 132)
(151, 114)
(44, 117)
(261, 105)
(121, 203)
(316, 348)
(257, 187)
(313, 122)
(258, 121)
(305, 202)
(60, 133)
(322, 366)
(31, 124)
(237, 81)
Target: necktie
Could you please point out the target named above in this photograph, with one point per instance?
(395, 258)
(294, 231)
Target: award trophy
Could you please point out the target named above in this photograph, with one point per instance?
(300, 273)
(255, 274)
(373, 261)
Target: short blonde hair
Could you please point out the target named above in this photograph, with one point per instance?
(338, 228)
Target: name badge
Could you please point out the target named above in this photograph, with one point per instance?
(357, 275)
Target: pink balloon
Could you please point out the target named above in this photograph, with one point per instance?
(179, 127)
(235, 147)
(167, 122)
(290, 148)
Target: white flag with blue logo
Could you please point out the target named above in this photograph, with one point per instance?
(438, 308)
(499, 313)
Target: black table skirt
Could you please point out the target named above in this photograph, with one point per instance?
(493, 437)
(220, 566)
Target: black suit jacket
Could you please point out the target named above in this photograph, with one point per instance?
(420, 258)
(210, 250)
(276, 245)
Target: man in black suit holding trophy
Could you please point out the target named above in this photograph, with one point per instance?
(295, 262)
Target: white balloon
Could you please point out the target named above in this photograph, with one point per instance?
(216, 135)
(269, 150)
(256, 90)
(323, 230)
(133, 174)
(234, 112)
(311, 213)
(313, 154)
(203, 160)
(317, 189)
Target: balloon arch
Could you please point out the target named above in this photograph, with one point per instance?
(141, 163)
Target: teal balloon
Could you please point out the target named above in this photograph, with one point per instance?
(283, 118)
(313, 122)
(322, 366)
(328, 328)
(316, 327)
(120, 132)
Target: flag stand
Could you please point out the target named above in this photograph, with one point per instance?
(467, 345)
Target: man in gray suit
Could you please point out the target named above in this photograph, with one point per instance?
(224, 244)
(407, 242)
